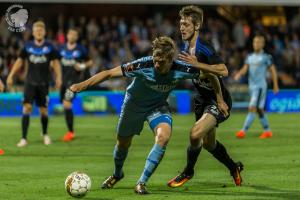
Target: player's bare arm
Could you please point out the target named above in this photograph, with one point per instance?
(57, 71)
(217, 69)
(223, 107)
(18, 64)
(274, 76)
(241, 72)
(98, 78)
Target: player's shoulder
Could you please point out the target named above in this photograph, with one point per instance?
(181, 66)
(81, 48)
(205, 47)
(140, 64)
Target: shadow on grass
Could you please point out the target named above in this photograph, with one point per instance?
(218, 189)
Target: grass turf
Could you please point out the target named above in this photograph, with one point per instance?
(38, 171)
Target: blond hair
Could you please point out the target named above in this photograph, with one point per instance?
(163, 47)
(194, 12)
(39, 24)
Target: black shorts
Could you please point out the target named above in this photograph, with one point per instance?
(63, 90)
(202, 106)
(37, 93)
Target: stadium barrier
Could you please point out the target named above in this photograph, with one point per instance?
(89, 102)
(104, 102)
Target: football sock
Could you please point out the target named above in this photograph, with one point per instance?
(221, 155)
(249, 119)
(119, 158)
(69, 117)
(44, 122)
(156, 154)
(264, 122)
(192, 156)
(25, 125)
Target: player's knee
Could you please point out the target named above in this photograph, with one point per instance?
(123, 143)
(43, 111)
(162, 139)
(67, 104)
(252, 109)
(27, 108)
(196, 132)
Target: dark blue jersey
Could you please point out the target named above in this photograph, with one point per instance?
(68, 59)
(39, 58)
(205, 53)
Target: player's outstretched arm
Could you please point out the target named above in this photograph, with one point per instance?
(274, 76)
(241, 72)
(97, 78)
(217, 69)
(17, 65)
(1, 86)
(223, 107)
(57, 71)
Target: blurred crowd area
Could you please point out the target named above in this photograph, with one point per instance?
(112, 40)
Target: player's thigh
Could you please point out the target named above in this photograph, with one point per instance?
(203, 126)
(160, 118)
(131, 122)
(41, 96)
(29, 94)
(262, 98)
(254, 97)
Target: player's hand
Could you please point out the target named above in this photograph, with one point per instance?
(9, 81)
(79, 66)
(237, 77)
(1, 86)
(275, 89)
(223, 107)
(190, 59)
(77, 87)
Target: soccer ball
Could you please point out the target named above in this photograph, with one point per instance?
(78, 184)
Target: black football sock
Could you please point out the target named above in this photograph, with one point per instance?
(192, 156)
(221, 155)
(44, 122)
(25, 125)
(69, 117)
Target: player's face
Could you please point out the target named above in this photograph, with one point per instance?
(258, 43)
(72, 36)
(162, 65)
(187, 28)
(38, 33)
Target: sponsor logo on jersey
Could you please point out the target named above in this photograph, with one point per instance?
(37, 59)
(204, 83)
(68, 62)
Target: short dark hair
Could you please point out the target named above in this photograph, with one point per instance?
(194, 12)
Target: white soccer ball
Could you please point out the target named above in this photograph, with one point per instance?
(78, 184)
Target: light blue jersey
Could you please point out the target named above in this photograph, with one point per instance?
(146, 97)
(149, 88)
(258, 68)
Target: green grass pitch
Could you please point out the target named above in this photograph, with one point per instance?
(272, 166)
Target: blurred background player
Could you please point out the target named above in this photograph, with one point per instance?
(39, 53)
(210, 108)
(74, 61)
(257, 65)
(145, 100)
(1, 90)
